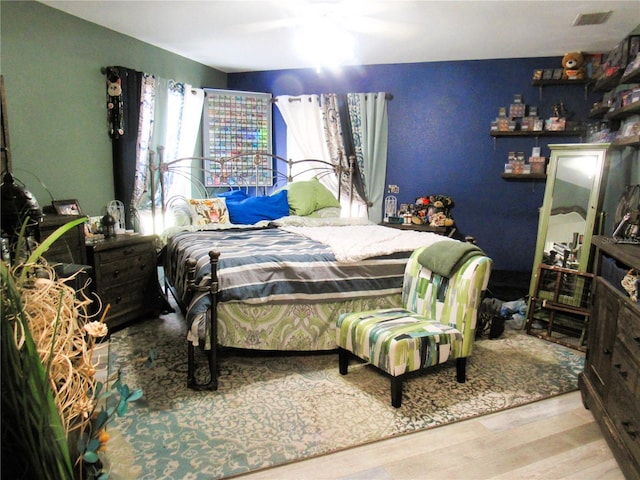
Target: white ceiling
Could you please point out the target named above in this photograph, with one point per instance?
(241, 35)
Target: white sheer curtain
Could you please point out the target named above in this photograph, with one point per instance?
(305, 130)
(184, 116)
(178, 116)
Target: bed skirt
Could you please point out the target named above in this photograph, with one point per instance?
(285, 327)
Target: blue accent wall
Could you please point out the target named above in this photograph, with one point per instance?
(439, 141)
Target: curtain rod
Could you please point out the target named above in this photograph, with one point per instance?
(388, 96)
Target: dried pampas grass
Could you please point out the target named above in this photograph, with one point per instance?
(65, 334)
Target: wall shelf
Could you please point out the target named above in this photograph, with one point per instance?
(562, 81)
(633, 141)
(632, 77)
(524, 176)
(623, 112)
(598, 112)
(608, 83)
(543, 133)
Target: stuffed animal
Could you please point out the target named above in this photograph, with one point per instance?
(440, 211)
(573, 67)
(115, 108)
(421, 211)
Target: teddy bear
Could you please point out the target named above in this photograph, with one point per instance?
(440, 211)
(573, 67)
(115, 108)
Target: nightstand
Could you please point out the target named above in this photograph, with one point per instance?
(448, 231)
(126, 277)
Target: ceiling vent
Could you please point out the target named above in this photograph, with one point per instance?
(596, 18)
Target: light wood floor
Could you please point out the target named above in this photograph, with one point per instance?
(552, 439)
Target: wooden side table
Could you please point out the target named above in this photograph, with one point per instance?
(126, 277)
(447, 231)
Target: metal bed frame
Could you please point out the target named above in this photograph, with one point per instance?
(157, 172)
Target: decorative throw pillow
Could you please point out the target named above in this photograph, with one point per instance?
(208, 210)
(307, 196)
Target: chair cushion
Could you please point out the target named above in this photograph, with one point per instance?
(397, 340)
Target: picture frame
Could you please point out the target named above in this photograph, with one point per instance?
(67, 207)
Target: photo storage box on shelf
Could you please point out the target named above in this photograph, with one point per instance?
(538, 164)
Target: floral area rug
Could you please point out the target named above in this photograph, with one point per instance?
(273, 409)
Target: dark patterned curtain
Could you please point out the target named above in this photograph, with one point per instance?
(336, 120)
(124, 111)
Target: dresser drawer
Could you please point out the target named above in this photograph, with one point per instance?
(624, 368)
(124, 298)
(629, 331)
(124, 253)
(123, 269)
(623, 411)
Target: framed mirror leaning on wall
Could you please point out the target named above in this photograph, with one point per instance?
(571, 214)
(571, 206)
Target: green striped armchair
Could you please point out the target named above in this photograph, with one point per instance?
(436, 322)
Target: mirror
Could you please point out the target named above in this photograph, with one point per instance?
(571, 204)
(567, 224)
(560, 281)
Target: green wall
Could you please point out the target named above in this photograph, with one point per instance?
(55, 96)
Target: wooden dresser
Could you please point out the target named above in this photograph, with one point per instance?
(126, 277)
(70, 248)
(610, 384)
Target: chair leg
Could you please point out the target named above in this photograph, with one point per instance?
(396, 392)
(343, 360)
(461, 367)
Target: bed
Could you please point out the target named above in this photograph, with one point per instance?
(278, 284)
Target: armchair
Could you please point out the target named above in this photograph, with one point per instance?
(436, 322)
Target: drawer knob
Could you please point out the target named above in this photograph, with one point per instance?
(118, 299)
(606, 351)
(629, 431)
(116, 273)
(622, 373)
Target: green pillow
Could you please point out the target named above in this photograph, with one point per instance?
(307, 196)
(324, 197)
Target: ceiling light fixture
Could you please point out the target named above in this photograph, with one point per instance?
(596, 18)
(324, 41)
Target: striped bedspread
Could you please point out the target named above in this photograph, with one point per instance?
(271, 265)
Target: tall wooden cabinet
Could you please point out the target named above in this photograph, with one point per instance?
(610, 383)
